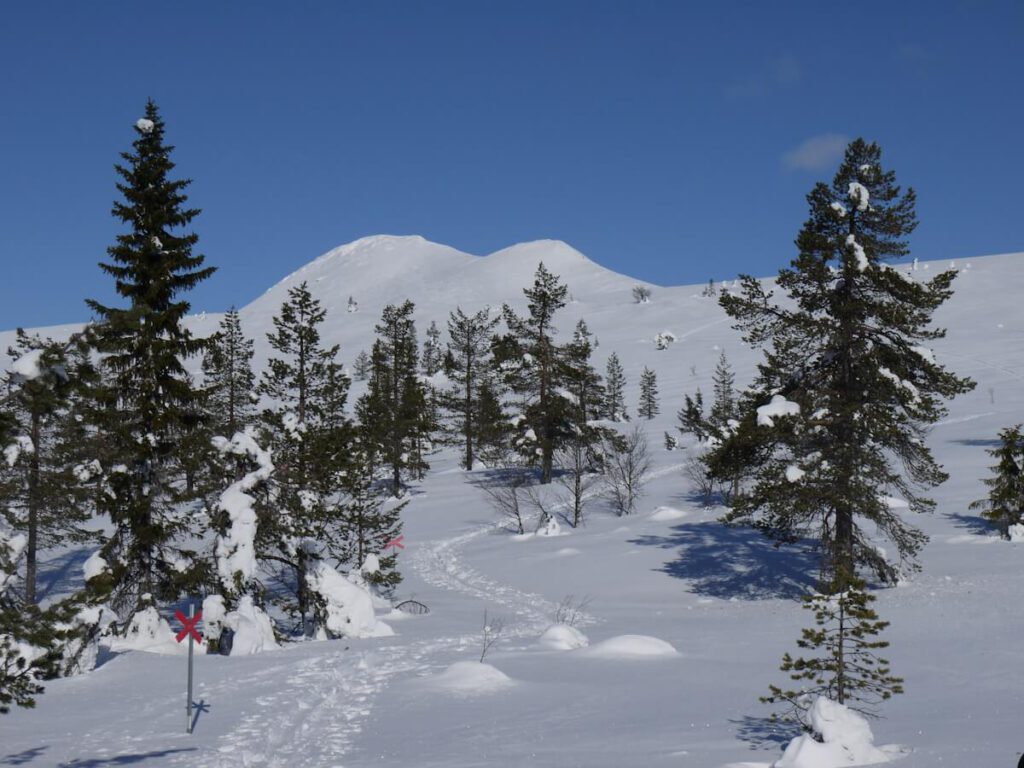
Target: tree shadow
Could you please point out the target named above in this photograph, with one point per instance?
(975, 524)
(62, 574)
(141, 757)
(737, 562)
(765, 733)
(979, 442)
(25, 756)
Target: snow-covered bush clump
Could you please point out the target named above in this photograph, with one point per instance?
(471, 677)
(562, 637)
(846, 740)
(631, 647)
(347, 603)
(253, 631)
(549, 527)
(664, 339)
(1016, 532)
(150, 632)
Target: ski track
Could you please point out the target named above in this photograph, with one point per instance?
(314, 719)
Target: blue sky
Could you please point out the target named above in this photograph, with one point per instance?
(672, 141)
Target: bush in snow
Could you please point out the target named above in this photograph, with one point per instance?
(664, 339)
(641, 294)
(838, 737)
(344, 605)
(626, 461)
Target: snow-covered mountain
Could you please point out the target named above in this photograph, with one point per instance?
(724, 599)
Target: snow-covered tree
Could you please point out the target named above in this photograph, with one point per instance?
(361, 366)
(1004, 504)
(648, 407)
(39, 491)
(641, 294)
(847, 387)
(146, 407)
(433, 351)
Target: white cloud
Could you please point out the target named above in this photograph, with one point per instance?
(816, 153)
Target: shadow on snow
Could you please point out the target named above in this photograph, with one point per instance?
(736, 562)
(135, 759)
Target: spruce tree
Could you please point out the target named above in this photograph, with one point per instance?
(615, 390)
(433, 352)
(724, 408)
(531, 363)
(394, 419)
(361, 366)
(847, 387)
(147, 406)
(228, 377)
(468, 364)
(846, 667)
(1004, 505)
(648, 407)
(309, 435)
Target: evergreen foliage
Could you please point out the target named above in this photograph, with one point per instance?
(648, 407)
(228, 377)
(361, 366)
(394, 419)
(477, 416)
(615, 390)
(532, 365)
(846, 362)
(309, 435)
(843, 664)
(146, 407)
(433, 351)
(1004, 504)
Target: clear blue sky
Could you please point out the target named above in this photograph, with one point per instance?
(672, 141)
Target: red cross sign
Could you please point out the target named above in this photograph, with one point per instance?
(188, 626)
(396, 543)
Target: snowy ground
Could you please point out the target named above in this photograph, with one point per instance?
(724, 599)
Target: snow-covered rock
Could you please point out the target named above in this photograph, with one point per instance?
(631, 647)
(664, 514)
(471, 677)
(562, 637)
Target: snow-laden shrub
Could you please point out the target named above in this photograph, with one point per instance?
(841, 738)
(345, 603)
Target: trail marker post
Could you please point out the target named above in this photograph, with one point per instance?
(188, 628)
(396, 544)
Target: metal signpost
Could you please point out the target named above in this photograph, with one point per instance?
(188, 628)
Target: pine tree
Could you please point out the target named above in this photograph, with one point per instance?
(615, 390)
(147, 406)
(847, 386)
(369, 522)
(433, 354)
(724, 408)
(361, 366)
(1004, 505)
(308, 434)
(228, 377)
(848, 669)
(393, 414)
(41, 496)
(531, 362)
(468, 364)
(648, 407)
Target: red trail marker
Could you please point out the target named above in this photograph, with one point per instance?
(188, 626)
(396, 543)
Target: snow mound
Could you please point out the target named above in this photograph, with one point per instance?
(631, 647)
(253, 630)
(471, 677)
(148, 631)
(664, 514)
(846, 740)
(1016, 532)
(349, 605)
(562, 637)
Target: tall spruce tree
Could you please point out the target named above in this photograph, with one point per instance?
(847, 387)
(648, 407)
(41, 496)
(468, 363)
(228, 377)
(147, 406)
(532, 364)
(1004, 504)
(615, 390)
(394, 419)
(309, 435)
(433, 350)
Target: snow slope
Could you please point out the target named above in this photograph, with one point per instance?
(723, 599)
